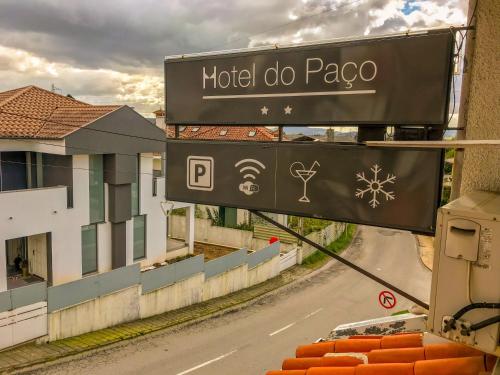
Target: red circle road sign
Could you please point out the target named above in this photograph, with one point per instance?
(387, 299)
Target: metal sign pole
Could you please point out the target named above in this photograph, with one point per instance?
(342, 260)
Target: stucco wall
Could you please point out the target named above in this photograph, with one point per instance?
(264, 271)
(45, 210)
(206, 232)
(322, 237)
(225, 283)
(481, 169)
(183, 293)
(99, 313)
(156, 221)
(23, 324)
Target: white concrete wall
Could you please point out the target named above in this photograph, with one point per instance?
(45, 210)
(156, 221)
(104, 251)
(264, 271)
(322, 237)
(102, 312)
(23, 324)
(177, 253)
(225, 283)
(129, 304)
(36, 211)
(104, 261)
(206, 232)
(183, 293)
(67, 235)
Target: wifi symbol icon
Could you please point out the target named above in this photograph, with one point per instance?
(249, 169)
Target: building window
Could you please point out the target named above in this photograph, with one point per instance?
(89, 249)
(96, 188)
(136, 188)
(13, 171)
(139, 237)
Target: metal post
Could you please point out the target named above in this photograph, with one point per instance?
(280, 133)
(344, 261)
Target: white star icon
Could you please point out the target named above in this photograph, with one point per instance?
(264, 110)
(288, 110)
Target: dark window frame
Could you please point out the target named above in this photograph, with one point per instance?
(103, 220)
(145, 238)
(93, 272)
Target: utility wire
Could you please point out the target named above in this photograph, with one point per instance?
(77, 126)
(73, 168)
(35, 140)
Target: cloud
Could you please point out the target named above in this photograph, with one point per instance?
(349, 18)
(112, 51)
(99, 86)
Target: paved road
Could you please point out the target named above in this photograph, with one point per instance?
(255, 339)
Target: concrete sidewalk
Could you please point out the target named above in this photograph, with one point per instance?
(426, 250)
(31, 354)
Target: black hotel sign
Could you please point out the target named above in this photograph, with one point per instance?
(398, 80)
(389, 187)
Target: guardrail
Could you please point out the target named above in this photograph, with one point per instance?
(95, 286)
(220, 265)
(171, 273)
(23, 296)
(92, 287)
(263, 255)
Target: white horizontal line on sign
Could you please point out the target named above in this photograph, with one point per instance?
(288, 94)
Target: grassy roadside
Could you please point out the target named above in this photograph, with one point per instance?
(318, 258)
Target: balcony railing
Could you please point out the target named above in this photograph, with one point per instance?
(69, 192)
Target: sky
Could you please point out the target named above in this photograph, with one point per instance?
(112, 51)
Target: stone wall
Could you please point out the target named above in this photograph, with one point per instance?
(481, 113)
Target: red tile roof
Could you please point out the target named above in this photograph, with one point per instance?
(32, 112)
(224, 133)
(402, 354)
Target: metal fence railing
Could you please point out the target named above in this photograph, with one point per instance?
(91, 287)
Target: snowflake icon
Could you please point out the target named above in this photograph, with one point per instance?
(375, 186)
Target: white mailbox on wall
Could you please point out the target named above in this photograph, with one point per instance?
(465, 296)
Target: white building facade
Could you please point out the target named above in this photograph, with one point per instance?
(81, 193)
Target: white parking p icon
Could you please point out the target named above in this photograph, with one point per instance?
(200, 173)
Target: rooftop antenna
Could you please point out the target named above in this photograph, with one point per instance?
(54, 89)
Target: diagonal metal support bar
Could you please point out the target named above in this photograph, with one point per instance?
(342, 260)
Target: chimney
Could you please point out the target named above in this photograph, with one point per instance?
(160, 118)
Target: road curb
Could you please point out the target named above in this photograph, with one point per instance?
(419, 253)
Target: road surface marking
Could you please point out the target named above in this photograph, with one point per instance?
(207, 363)
(282, 329)
(313, 313)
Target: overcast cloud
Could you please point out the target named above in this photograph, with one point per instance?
(112, 51)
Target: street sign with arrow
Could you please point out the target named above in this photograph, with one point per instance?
(387, 299)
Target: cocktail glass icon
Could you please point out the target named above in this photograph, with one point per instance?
(298, 170)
